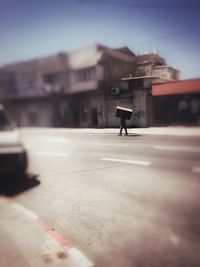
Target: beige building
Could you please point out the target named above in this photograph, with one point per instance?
(82, 88)
(66, 89)
(150, 69)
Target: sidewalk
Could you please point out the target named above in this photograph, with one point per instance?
(26, 241)
(169, 130)
(176, 131)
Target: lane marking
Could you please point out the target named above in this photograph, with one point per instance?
(108, 144)
(196, 169)
(47, 139)
(179, 148)
(79, 258)
(137, 162)
(50, 154)
(31, 215)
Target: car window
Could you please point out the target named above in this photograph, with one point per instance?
(5, 123)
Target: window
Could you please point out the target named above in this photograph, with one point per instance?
(8, 82)
(55, 78)
(140, 72)
(137, 83)
(85, 75)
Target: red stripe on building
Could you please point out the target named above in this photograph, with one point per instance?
(178, 87)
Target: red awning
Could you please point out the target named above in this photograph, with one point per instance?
(178, 87)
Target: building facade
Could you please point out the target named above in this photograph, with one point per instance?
(177, 102)
(83, 88)
(150, 69)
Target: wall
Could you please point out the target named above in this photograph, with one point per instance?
(143, 70)
(97, 102)
(139, 105)
(78, 87)
(34, 113)
(166, 72)
(115, 69)
(29, 74)
(84, 57)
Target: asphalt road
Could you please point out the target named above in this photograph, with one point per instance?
(123, 200)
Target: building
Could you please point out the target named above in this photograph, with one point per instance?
(82, 88)
(177, 102)
(66, 89)
(150, 69)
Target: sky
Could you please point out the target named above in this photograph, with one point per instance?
(36, 28)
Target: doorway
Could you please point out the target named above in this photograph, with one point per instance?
(76, 117)
(94, 117)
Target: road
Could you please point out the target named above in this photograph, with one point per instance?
(123, 200)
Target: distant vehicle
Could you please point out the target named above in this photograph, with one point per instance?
(13, 156)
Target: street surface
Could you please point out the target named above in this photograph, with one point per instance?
(124, 201)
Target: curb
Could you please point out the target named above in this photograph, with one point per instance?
(72, 256)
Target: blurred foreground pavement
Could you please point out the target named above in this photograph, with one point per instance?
(25, 241)
(148, 218)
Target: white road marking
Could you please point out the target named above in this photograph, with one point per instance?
(137, 162)
(196, 169)
(50, 154)
(108, 144)
(53, 139)
(179, 148)
(78, 258)
(26, 212)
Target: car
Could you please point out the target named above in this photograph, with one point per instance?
(13, 156)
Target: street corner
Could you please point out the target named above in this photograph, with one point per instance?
(27, 240)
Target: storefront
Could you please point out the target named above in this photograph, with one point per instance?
(177, 102)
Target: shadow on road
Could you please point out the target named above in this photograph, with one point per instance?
(131, 135)
(10, 187)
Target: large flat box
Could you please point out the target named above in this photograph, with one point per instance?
(124, 113)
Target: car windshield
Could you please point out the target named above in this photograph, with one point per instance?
(5, 123)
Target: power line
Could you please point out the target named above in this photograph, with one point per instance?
(175, 48)
(164, 37)
(182, 45)
(160, 38)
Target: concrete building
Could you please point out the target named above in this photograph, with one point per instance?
(66, 89)
(82, 88)
(150, 69)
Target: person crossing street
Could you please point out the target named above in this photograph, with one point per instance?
(123, 126)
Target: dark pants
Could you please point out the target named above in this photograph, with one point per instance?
(125, 129)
